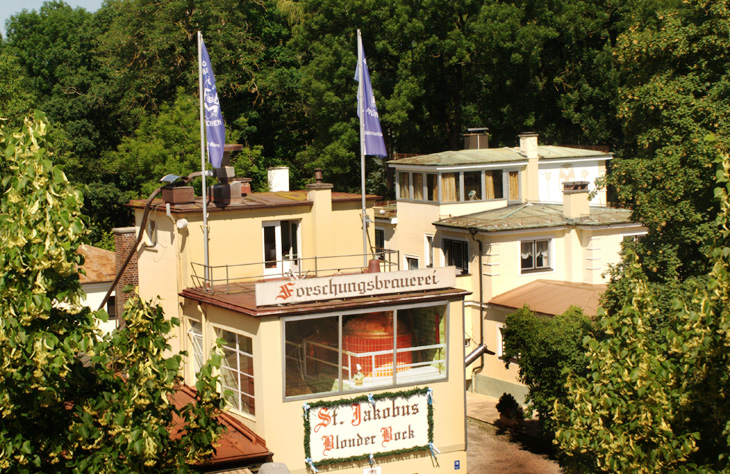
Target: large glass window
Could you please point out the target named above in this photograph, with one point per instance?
(404, 184)
(418, 186)
(473, 185)
(514, 186)
(493, 180)
(450, 187)
(281, 247)
(236, 375)
(535, 255)
(375, 349)
(195, 341)
(457, 254)
(432, 187)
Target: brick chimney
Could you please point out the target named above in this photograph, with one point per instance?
(124, 239)
(575, 199)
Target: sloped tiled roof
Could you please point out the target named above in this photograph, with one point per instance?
(552, 297)
(534, 215)
(99, 264)
(495, 155)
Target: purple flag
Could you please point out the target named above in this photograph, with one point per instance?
(215, 130)
(373, 136)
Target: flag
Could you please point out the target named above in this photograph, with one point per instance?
(372, 134)
(215, 130)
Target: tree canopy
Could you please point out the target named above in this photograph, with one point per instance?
(72, 401)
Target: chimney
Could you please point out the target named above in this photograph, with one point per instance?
(528, 148)
(575, 199)
(528, 144)
(124, 239)
(476, 138)
(227, 191)
(278, 179)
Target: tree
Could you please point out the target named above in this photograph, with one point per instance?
(71, 401)
(546, 348)
(675, 93)
(657, 402)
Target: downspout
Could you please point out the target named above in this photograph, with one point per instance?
(479, 351)
(147, 204)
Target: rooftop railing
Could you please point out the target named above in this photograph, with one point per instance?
(231, 278)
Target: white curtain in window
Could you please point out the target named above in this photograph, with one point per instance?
(450, 187)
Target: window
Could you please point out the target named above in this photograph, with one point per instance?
(281, 247)
(450, 187)
(535, 255)
(379, 243)
(411, 263)
(111, 307)
(319, 360)
(494, 188)
(514, 186)
(473, 186)
(432, 187)
(404, 184)
(418, 186)
(429, 250)
(236, 376)
(457, 254)
(195, 343)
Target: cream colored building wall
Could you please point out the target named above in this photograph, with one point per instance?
(236, 239)
(414, 222)
(494, 366)
(280, 422)
(464, 208)
(553, 175)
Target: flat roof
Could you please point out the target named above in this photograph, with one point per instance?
(497, 155)
(534, 215)
(552, 297)
(264, 200)
(241, 298)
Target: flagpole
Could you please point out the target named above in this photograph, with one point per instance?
(206, 271)
(361, 102)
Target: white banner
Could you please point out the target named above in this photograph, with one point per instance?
(360, 429)
(352, 286)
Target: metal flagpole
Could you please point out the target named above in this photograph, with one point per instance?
(361, 104)
(206, 270)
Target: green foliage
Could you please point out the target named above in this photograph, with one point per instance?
(70, 401)
(546, 348)
(508, 406)
(657, 402)
(674, 102)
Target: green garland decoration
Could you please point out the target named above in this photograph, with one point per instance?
(363, 398)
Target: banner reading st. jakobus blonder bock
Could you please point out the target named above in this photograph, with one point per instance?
(360, 428)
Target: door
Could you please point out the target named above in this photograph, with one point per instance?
(281, 248)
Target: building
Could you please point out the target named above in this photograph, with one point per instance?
(514, 222)
(329, 357)
(98, 273)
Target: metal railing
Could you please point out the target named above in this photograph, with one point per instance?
(225, 278)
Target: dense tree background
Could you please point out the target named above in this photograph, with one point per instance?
(112, 79)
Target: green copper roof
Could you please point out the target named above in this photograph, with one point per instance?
(529, 216)
(495, 155)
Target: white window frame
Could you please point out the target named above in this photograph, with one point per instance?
(398, 379)
(445, 261)
(406, 257)
(282, 266)
(428, 250)
(239, 393)
(534, 269)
